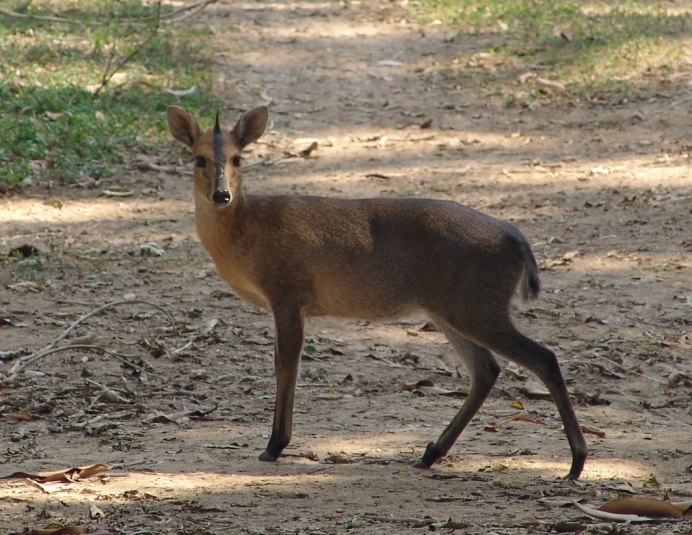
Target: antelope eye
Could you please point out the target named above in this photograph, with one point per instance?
(236, 161)
(201, 161)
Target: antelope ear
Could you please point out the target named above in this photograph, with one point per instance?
(182, 125)
(251, 126)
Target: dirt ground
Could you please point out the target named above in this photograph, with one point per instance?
(180, 412)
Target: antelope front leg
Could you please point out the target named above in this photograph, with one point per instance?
(288, 346)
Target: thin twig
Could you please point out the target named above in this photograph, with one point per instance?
(681, 101)
(193, 10)
(23, 362)
(46, 18)
(172, 17)
(107, 76)
(104, 307)
(183, 348)
(77, 347)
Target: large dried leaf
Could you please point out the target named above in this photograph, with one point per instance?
(637, 509)
(633, 505)
(58, 530)
(70, 475)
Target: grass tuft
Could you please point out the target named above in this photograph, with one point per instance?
(58, 124)
(588, 47)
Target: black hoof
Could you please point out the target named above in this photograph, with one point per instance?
(573, 475)
(267, 457)
(432, 454)
(575, 470)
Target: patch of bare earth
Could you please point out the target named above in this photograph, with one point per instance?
(603, 191)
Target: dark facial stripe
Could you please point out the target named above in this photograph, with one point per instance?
(219, 157)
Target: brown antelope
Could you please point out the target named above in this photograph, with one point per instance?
(300, 256)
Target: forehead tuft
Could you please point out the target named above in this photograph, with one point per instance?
(218, 143)
(205, 144)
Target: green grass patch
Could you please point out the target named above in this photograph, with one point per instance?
(81, 95)
(602, 46)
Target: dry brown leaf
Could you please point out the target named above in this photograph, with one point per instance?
(96, 512)
(593, 431)
(53, 116)
(54, 202)
(684, 507)
(21, 416)
(604, 515)
(336, 458)
(636, 509)
(526, 418)
(117, 191)
(68, 475)
(410, 387)
(62, 530)
(536, 390)
(306, 152)
(553, 85)
(494, 467)
(641, 506)
(26, 287)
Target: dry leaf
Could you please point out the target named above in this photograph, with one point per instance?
(59, 530)
(494, 467)
(684, 507)
(410, 387)
(610, 516)
(54, 202)
(551, 84)
(636, 509)
(53, 116)
(593, 431)
(68, 475)
(389, 63)
(21, 416)
(96, 512)
(335, 458)
(526, 418)
(115, 191)
(648, 507)
(436, 390)
(536, 390)
(306, 152)
(444, 499)
(27, 287)
(150, 249)
(182, 92)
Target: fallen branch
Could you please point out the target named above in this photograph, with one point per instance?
(24, 362)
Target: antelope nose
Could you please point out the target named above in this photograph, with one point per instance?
(222, 196)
